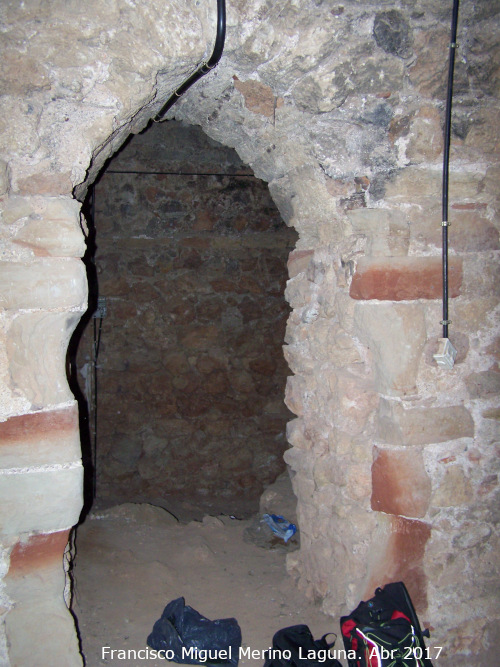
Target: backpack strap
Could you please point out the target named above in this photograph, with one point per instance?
(322, 643)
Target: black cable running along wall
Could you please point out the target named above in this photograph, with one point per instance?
(204, 67)
(446, 165)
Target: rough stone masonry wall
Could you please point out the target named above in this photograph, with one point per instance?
(339, 107)
(191, 374)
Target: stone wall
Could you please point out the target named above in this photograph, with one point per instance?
(191, 259)
(339, 107)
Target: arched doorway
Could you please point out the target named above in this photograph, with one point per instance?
(185, 399)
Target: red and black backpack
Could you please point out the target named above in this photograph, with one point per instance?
(385, 632)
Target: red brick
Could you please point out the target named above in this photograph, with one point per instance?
(404, 278)
(46, 184)
(402, 560)
(470, 206)
(31, 426)
(400, 484)
(258, 97)
(39, 551)
(40, 438)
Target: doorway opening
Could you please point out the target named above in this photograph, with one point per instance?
(182, 368)
(182, 360)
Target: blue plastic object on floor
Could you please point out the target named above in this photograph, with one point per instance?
(280, 526)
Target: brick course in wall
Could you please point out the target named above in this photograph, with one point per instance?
(408, 278)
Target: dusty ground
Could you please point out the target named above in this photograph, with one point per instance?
(131, 560)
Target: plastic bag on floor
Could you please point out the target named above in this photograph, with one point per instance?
(280, 526)
(188, 637)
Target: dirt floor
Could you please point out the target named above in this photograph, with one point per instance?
(133, 559)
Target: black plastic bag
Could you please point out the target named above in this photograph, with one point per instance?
(187, 637)
(295, 646)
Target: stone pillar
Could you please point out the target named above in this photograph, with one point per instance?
(43, 293)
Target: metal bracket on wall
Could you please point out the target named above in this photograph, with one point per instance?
(101, 309)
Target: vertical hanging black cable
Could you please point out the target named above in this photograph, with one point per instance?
(204, 68)
(96, 344)
(446, 165)
(95, 355)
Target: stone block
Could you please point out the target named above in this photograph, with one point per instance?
(298, 291)
(400, 484)
(43, 283)
(396, 337)
(294, 394)
(425, 137)
(473, 535)
(298, 359)
(40, 629)
(299, 461)
(263, 366)
(327, 471)
(312, 202)
(357, 401)
(40, 499)
(46, 225)
(393, 33)
(387, 231)
(323, 91)
(17, 129)
(492, 413)
(404, 279)
(217, 383)
(40, 438)
(47, 183)
(428, 72)
(201, 337)
(454, 490)
(471, 313)
(36, 552)
(413, 184)
(484, 384)
(421, 426)
(298, 261)
(297, 435)
(358, 483)
(481, 275)
(4, 177)
(483, 133)
(469, 231)
(37, 345)
(343, 351)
